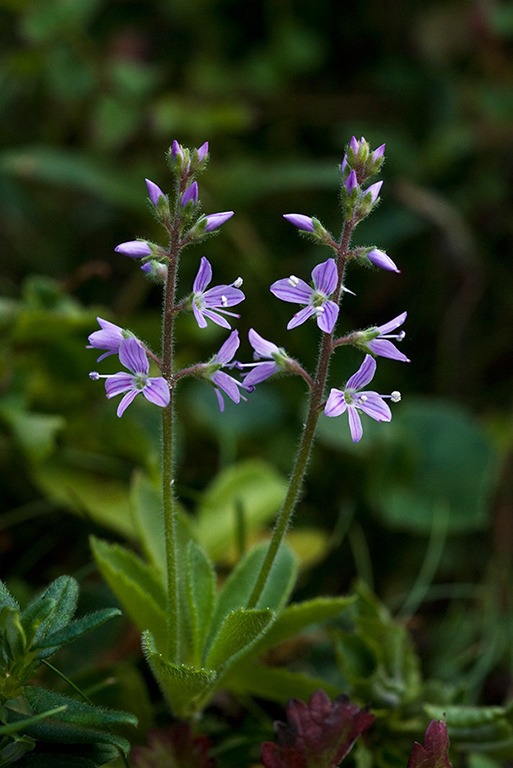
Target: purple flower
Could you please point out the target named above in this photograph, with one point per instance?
(220, 379)
(277, 360)
(300, 221)
(380, 259)
(154, 192)
(317, 300)
(190, 194)
(352, 399)
(136, 249)
(205, 302)
(133, 357)
(381, 345)
(109, 338)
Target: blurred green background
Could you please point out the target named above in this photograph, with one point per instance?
(92, 94)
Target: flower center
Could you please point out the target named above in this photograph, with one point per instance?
(140, 380)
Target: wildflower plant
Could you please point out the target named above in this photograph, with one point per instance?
(195, 637)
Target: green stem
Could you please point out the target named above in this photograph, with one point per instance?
(306, 443)
(169, 501)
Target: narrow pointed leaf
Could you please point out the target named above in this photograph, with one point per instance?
(184, 686)
(64, 591)
(275, 683)
(146, 501)
(297, 616)
(240, 630)
(137, 586)
(20, 725)
(200, 597)
(253, 486)
(77, 628)
(78, 712)
(237, 589)
(6, 599)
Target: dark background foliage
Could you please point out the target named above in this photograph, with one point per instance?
(92, 93)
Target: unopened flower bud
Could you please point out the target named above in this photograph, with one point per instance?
(380, 259)
(155, 270)
(351, 183)
(370, 195)
(154, 192)
(202, 152)
(305, 223)
(136, 249)
(190, 195)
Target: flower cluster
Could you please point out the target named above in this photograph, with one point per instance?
(320, 299)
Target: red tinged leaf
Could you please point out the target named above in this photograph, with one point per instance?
(435, 752)
(175, 747)
(316, 735)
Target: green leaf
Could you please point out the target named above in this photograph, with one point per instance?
(137, 586)
(239, 631)
(35, 433)
(146, 505)
(19, 725)
(78, 712)
(77, 628)
(64, 591)
(105, 499)
(14, 639)
(297, 616)
(201, 584)
(253, 486)
(275, 684)
(437, 457)
(185, 687)
(34, 615)
(376, 655)
(238, 586)
(6, 598)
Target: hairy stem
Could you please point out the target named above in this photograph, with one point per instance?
(169, 501)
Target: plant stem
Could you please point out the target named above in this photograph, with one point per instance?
(169, 501)
(306, 443)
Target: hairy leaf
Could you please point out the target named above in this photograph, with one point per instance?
(239, 631)
(137, 586)
(75, 711)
